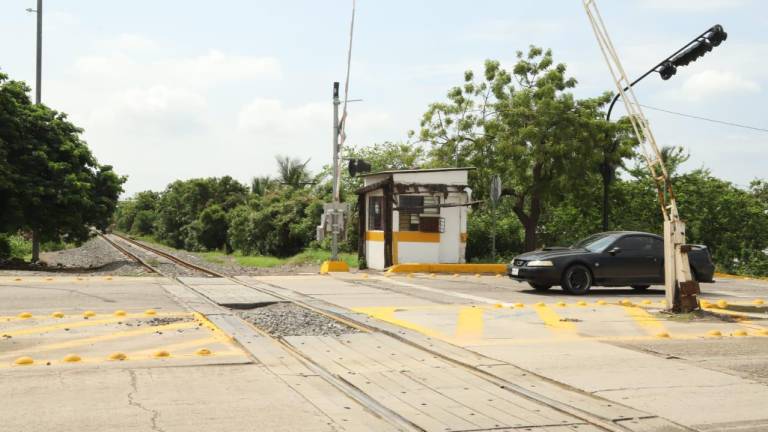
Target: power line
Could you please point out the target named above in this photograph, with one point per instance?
(705, 119)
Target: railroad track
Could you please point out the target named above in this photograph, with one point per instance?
(350, 390)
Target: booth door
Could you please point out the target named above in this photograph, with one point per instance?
(450, 238)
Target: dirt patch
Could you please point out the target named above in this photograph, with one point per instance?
(288, 319)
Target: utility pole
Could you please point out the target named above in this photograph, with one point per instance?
(38, 101)
(336, 200)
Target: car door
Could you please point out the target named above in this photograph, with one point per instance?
(628, 260)
(657, 261)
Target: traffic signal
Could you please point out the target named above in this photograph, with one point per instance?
(667, 70)
(357, 166)
(712, 38)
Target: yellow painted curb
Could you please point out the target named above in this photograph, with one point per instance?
(72, 358)
(23, 361)
(57, 315)
(203, 352)
(448, 268)
(333, 266)
(25, 315)
(118, 356)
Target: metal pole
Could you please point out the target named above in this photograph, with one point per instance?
(493, 231)
(336, 200)
(38, 89)
(38, 100)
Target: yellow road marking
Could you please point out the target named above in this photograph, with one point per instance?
(129, 357)
(107, 337)
(553, 320)
(388, 314)
(79, 319)
(470, 323)
(646, 321)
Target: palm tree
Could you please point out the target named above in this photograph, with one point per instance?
(292, 172)
(261, 185)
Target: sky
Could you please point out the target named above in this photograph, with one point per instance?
(189, 88)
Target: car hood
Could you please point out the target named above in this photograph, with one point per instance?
(550, 254)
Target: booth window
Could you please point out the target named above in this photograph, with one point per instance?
(419, 213)
(376, 213)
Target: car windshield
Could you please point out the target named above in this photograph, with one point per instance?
(595, 242)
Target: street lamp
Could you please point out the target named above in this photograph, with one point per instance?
(38, 99)
(666, 68)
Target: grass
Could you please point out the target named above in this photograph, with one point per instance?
(307, 257)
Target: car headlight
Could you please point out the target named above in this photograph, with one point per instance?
(539, 263)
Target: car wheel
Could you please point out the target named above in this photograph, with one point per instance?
(539, 287)
(577, 280)
(640, 287)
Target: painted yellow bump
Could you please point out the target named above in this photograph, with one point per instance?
(17, 279)
(581, 303)
(79, 278)
(455, 275)
(625, 302)
(740, 333)
(561, 304)
(498, 305)
(714, 333)
(600, 302)
(663, 335)
(519, 305)
(161, 354)
(120, 312)
(108, 278)
(646, 302)
(203, 352)
(25, 315)
(498, 275)
(23, 361)
(539, 304)
(722, 304)
(89, 313)
(758, 302)
(49, 278)
(477, 275)
(705, 304)
(763, 332)
(72, 358)
(57, 315)
(118, 356)
(150, 312)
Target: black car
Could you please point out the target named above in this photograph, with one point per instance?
(620, 258)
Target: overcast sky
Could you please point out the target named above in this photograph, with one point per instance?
(179, 89)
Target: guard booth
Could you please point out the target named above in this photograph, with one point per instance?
(413, 216)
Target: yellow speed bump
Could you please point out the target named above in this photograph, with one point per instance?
(203, 352)
(161, 354)
(740, 333)
(722, 304)
(763, 332)
(600, 302)
(120, 312)
(705, 304)
(49, 278)
(72, 358)
(561, 304)
(117, 356)
(24, 361)
(519, 305)
(714, 333)
(57, 314)
(646, 302)
(663, 335)
(498, 305)
(625, 302)
(17, 279)
(25, 315)
(758, 302)
(150, 312)
(581, 303)
(539, 304)
(88, 314)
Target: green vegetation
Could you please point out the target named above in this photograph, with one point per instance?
(50, 183)
(524, 124)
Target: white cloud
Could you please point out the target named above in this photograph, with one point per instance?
(714, 83)
(693, 5)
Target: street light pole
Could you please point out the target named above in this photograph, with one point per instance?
(38, 100)
(336, 198)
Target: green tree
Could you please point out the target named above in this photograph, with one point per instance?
(53, 186)
(292, 172)
(525, 126)
(213, 227)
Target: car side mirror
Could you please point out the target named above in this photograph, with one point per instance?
(614, 250)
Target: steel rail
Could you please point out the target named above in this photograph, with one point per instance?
(589, 418)
(130, 255)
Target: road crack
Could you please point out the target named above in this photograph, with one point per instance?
(132, 402)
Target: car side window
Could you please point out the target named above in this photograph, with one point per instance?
(632, 244)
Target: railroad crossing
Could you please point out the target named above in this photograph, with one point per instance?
(375, 351)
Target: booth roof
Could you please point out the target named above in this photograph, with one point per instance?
(417, 171)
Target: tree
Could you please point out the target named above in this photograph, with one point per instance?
(261, 185)
(292, 172)
(532, 132)
(53, 186)
(213, 227)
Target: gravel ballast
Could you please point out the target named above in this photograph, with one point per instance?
(288, 319)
